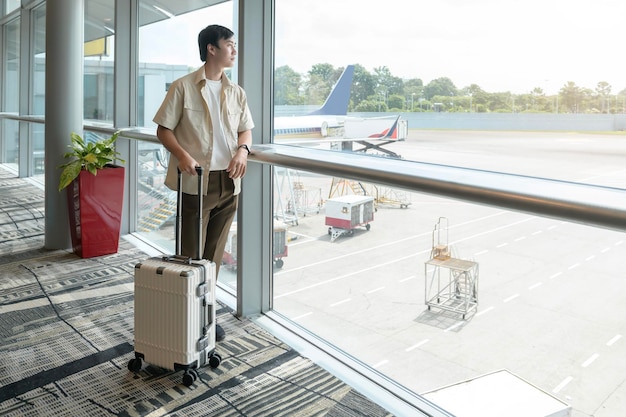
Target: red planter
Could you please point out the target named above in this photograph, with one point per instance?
(95, 208)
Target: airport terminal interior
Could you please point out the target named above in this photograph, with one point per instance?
(433, 257)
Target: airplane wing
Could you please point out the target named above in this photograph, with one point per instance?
(372, 133)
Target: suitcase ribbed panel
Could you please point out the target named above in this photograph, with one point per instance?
(169, 312)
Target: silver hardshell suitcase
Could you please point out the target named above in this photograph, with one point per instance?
(175, 307)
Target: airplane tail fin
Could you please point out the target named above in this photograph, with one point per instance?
(337, 101)
(390, 133)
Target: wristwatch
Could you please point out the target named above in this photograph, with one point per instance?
(245, 147)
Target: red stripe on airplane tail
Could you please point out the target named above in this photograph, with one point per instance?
(394, 134)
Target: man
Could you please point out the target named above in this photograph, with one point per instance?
(204, 121)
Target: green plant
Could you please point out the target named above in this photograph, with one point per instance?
(89, 156)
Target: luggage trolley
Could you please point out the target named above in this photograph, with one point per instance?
(456, 292)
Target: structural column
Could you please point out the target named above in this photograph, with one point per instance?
(255, 221)
(64, 107)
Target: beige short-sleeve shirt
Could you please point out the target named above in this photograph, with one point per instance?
(184, 111)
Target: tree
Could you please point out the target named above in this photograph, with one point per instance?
(324, 71)
(440, 87)
(603, 90)
(414, 86)
(363, 85)
(499, 102)
(414, 91)
(287, 86)
(388, 83)
(537, 100)
(367, 106)
(396, 102)
(571, 96)
(321, 79)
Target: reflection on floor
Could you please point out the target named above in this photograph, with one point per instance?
(66, 327)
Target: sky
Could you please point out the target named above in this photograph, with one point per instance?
(500, 45)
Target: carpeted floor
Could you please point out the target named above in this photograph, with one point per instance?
(66, 336)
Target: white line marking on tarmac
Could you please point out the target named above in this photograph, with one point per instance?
(590, 257)
(514, 296)
(619, 243)
(407, 279)
(351, 254)
(491, 231)
(375, 290)
(301, 316)
(552, 227)
(299, 241)
(454, 326)
(615, 339)
(482, 252)
(590, 360)
(328, 281)
(605, 250)
(532, 287)
(423, 342)
(480, 313)
(556, 275)
(501, 245)
(393, 261)
(347, 300)
(520, 239)
(562, 384)
(573, 266)
(381, 363)
(538, 232)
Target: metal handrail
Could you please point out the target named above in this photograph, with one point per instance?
(564, 200)
(581, 203)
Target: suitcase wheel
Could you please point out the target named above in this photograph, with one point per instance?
(214, 360)
(134, 365)
(189, 377)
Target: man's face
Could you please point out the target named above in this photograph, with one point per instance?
(226, 53)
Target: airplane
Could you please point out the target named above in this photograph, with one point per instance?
(332, 117)
(317, 123)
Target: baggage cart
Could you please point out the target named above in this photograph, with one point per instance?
(175, 307)
(279, 249)
(347, 212)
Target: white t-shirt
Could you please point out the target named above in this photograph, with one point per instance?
(221, 154)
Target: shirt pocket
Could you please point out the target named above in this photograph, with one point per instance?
(192, 104)
(234, 117)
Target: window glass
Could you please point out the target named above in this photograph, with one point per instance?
(99, 60)
(38, 98)
(10, 99)
(431, 291)
(479, 66)
(39, 60)
(162, 59)
(10, 5)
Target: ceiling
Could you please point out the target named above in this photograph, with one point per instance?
(100, 14)
(100, 17)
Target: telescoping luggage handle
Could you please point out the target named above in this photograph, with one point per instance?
(179, 210)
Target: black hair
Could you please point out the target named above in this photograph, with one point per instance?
(211, 35)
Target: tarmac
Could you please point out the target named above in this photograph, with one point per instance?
(550, 294)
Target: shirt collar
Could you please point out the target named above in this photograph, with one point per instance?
(201, 78)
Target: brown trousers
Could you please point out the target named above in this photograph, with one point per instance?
(218, 211)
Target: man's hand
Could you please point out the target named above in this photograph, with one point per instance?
(188, 165)
(238, 165)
